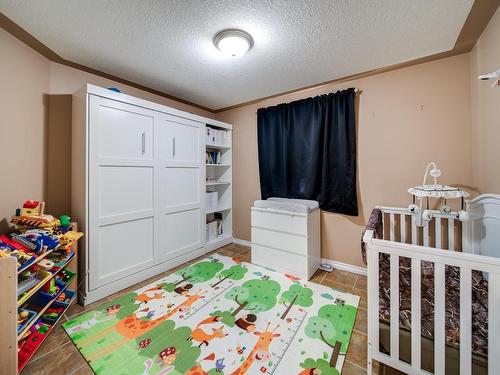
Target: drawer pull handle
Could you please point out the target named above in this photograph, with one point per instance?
(143, 139)
(173, 147)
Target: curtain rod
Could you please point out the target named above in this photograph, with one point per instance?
(356, 91)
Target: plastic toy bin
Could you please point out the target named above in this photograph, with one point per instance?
(69, 297)
(31, 316)
(44, 297)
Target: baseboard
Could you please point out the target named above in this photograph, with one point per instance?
(246, 243)
(345, 266)
(335, 264)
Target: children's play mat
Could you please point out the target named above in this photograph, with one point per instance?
(219, 316)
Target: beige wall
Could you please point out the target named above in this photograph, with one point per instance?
(406, 118)
(24, 78)
(485, 58)
(67, 80)
(35, 126)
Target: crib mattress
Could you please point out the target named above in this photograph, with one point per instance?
(452, 353)
(479, 302)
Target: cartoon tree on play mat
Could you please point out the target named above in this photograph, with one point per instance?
(333, 325)
(127, 305)
(196, 273)
(296, 295)
(165, 336)
(235, 272)
(254, 296)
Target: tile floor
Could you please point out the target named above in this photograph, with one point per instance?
(59, 356)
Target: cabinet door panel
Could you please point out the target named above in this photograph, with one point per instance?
(181, 187)
(125, 190)
(123, 131)
(121, 191)
(179, 141)
(123, 249)
(181, 232)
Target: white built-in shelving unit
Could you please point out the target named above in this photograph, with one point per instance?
(219, 179)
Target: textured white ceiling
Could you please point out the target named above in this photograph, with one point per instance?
(167, 44)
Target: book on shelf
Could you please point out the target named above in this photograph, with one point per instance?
(213, 157)
(213, 229)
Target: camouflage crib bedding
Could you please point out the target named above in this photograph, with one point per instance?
(452, 302)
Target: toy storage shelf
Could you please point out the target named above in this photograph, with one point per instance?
(44, 308)
(219, 179)
(48, 333)
(10, 340)
(37, 287)
(36, 261)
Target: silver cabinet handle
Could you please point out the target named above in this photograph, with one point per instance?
(173, 147)
(143, 137)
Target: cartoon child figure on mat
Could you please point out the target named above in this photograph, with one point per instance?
(247, 323)
(183, 289)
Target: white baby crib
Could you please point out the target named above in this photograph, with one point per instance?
(444, 241)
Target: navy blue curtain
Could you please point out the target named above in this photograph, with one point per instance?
(307, 150)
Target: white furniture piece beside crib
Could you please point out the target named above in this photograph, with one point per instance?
(436, 243)
(138, 187)
(286, 236)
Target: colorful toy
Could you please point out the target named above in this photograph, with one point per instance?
(68, 239)
(62, 297)
(22, 316)
(32, 215)
(32, 208)
(65, 222)
(46, 264)
(50, 286)
(37, 240)
(11, 248)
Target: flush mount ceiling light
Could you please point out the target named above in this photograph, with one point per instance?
(233, 42)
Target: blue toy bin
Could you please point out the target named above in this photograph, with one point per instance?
(69, 297)
(44, 297)
(31, 316)
(51, 321)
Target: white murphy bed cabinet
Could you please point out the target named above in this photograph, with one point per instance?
(138, 188)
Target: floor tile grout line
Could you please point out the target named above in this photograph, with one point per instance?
(355, 365)
(56, 348)
(82, 366)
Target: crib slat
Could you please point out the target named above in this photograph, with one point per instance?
(493, 324)
(426, 233)
(394, 307)
(465, 321)
(375, 301)
(439, 318)
(451, 234)
(413, 230)
(437, 224)
(391, 224)
(415, 314)
(402, 227)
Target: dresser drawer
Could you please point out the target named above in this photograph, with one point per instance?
(280, 240)
(283, 222)
(281, 261)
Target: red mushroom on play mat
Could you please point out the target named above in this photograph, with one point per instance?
(168, 355)
(144, 343)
